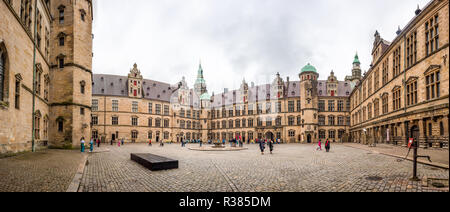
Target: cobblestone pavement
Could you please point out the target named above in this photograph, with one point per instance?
(43, 171)
(438, 156)
(292, 168)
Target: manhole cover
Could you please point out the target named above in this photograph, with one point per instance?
(374, 178)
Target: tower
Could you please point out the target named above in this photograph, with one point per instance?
(70, 73)
(356, 71)
(309, 104)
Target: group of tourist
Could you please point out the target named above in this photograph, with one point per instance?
(262, 145)
(327, 145)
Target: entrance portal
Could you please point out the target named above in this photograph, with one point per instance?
(309, 139)
(269, 135)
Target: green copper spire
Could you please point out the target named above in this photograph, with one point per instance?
(356, 59)
(200, 78)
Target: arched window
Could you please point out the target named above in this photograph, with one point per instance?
(2, 74)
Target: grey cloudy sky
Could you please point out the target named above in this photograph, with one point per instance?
(236, 39)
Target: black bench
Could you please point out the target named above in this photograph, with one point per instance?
(154, 162)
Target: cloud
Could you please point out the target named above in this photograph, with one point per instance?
(252, 39)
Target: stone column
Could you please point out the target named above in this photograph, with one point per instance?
(423, 133)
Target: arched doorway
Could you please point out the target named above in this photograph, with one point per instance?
(308, 138)
(269, 135)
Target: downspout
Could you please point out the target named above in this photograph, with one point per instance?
(33, 147)
(404, 86)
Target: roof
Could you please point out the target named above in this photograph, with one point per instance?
(309, 68)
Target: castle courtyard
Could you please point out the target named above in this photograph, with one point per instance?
(292, 168)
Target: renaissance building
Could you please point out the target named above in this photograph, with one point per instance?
(405, 94)
(139, 110)
(45, 73)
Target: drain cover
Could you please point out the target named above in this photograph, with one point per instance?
(438, 185)
(374, 178)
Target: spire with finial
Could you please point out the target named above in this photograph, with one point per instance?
(356, 60)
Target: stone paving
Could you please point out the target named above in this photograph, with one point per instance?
(43, 171)
(292, 168)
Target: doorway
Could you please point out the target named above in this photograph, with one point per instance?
(308, 138)
(269, 135)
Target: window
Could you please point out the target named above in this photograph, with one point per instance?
(95, 134)
(158, 110)
(158, 123)
(81, 111)
(25, 13)
(150, 122)
(150, 108)
(60, 125)
(250, 123)
(82, 86)
(332, 134)
(441, 128)
(322, 134)
(369, 85)
(95, 105)
(114, 120)
(259, 122)
(250, 110)
(268, 121)
(37, 82)
(433, 85)
(115, 105)
(385, 67)
(331, 121)
(291, 133)
(291, 120)
(299, 120)
(135, 107)
(396, 97)
(376, 79)
(321, 120)
(166, 110)
(268, 107)
(376, 108)
(37, 121)
(432, 35)
(61, 62)
(291, 106)
(341, 121)
(340, 105)
(385, 100)
(369, 111)
(83, 14)
(238, 123)
(46, 87)
(331, 105)
(150, 135)
(299, 106)
(2, 74)
(61, 41)
(134, 135)
(61, 14)
(17, 94)
(95, 120)
(321, 105)
(278, 121)
(278, 107)
(166, 123)
(411, 93)
(411, 50)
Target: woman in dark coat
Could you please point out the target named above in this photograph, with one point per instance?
(327, 146)
(270, 146)
(262, 146)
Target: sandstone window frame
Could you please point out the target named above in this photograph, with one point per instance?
(291, 107)
(433, 82)
(115, 105)
(134, 121)
(331, 120)
(322, 134)
(432, 35)
(158, 123)
(411, 49)
(369, 111)
(158, 109)
(17, 91)
(396, 98)
(60, 124)
(61, 15)
(115, 120)
(26, 9)
(340, 105)
(376, 107)
(385, 103)
(411, 91)
(322, 120)
(321, 105)
(37, 125)
(331, 134)
(38, 79)
(94, 120)
(331, 106)
(291, 133)
(46, 87)
(376, 79)
(94, 105)
(385, 72)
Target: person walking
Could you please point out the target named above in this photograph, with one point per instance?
(118, 143)
(82, 144)
(262, 146)
(320, 145)
(111, 142)
(201, 142)
(98, 143)
(150, 142)
(327, 146)
(91, 145)
(122, 141)
(271, 146)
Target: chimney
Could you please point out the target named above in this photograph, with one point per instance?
(418, 11)
(399, 31)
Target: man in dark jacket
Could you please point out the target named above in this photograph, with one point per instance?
(262, 146)
(327, 146)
